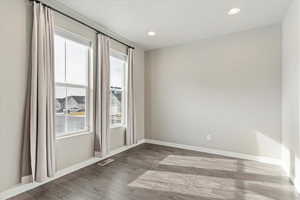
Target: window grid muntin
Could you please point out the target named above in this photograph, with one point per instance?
(72, 85)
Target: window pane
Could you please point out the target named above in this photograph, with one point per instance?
(77, 63)
(116, 107)
(59, 59)
(117, 80)
(76, 109)
(117, 67)
(71, 67)
(60, 126)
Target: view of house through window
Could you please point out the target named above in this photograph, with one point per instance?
(118, 91)
(71, 91)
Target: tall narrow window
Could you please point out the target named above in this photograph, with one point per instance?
(72, 60)
(118, 66)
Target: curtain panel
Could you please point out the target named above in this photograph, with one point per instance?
(131, 137)
(38, 155)
(102, 107)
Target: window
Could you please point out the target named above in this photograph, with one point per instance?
(72, 60)
(118, 66)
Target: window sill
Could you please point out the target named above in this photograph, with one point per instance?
(117, 126)
(72, 135)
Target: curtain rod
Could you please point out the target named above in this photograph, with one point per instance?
(77, 20)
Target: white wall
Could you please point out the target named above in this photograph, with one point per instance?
(228, 87)
(290, 90)
(14, 57)
(15, 35)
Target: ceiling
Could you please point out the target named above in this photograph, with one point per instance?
(178, 21)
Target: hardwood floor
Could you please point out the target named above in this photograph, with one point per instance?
(152, 172)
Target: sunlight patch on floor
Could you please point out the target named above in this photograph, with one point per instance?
(202, 186)
(242, 166)
(200, 162)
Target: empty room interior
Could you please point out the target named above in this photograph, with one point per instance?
(150, 100)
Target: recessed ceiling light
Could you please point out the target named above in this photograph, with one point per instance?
(234, 11)
(151, 33)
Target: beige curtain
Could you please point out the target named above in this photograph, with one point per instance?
(131, 128)
(102, 125)
(38, 160)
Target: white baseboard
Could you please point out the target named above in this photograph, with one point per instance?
(26, 187)
(20, 188)
(218, 152)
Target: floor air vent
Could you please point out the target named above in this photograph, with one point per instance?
(106, 162)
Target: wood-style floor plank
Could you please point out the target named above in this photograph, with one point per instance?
(152, 172)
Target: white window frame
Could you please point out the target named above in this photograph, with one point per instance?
(124, 57)
(89, 87)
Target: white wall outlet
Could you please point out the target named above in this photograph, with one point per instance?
(208, 137)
